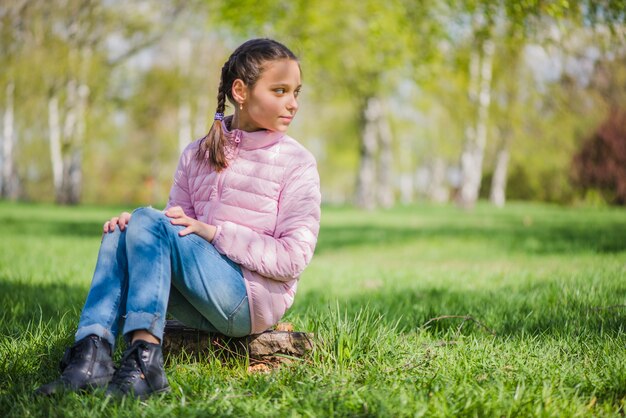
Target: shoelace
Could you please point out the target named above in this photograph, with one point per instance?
(130, 366)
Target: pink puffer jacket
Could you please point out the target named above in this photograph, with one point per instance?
(266, 206)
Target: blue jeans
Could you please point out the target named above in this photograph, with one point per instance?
(148, 270)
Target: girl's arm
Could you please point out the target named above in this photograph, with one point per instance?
(284, 255)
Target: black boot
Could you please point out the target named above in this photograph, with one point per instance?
(85, 365)
(141, 372)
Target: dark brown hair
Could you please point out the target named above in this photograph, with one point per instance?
(245, 63)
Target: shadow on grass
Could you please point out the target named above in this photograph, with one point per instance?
(607, 237)
(504, 230)
(15, 226)
(25, 303)
(540, 309)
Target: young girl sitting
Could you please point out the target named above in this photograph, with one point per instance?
(225, 255)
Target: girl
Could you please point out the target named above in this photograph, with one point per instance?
(225, 255)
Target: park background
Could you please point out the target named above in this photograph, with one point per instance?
(403, 101)
(471, 257)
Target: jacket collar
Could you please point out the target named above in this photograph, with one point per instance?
(249, 140)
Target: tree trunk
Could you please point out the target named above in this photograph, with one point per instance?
(407, 188)
(467, 156)
(385, 185)
(75, 169)
(66, 145)
(54, 129)
(9, 184)
(68, 153)
(76, 139)
(366, 184)
(497, 194)
(272, 347)
(437, 191)
(476, 138)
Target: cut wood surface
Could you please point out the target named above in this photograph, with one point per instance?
(269, 344)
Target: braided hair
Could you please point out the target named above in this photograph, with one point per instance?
(245, 63)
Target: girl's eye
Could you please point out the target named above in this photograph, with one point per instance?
(296, 93)
(280, 91)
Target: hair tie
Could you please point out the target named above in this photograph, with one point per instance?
(219, 116)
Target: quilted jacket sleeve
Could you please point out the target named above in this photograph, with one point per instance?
(179, 193)
(284, 255)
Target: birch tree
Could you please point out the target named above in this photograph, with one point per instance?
(523, 20)
(69, 40)
(479, 95)
(9, 180)
(75, 40)
(366, 180)
(12, 36)
(505, 125)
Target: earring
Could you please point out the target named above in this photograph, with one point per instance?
(240, 106)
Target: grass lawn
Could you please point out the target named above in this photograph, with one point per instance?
(417, 311)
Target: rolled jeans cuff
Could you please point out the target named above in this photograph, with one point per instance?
(153, 323)
(95, 329)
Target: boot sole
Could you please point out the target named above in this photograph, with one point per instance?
(61, 388)
(141, 397)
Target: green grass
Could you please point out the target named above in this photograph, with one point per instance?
(545, 287)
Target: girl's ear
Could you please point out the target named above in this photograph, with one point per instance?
(239, 91)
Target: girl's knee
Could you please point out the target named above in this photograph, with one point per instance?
(142, 219)
(145, 214)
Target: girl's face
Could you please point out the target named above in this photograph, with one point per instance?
(273, 101)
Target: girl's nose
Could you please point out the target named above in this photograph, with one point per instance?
(292, 106)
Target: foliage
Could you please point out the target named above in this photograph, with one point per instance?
(391, 35)
(601, 162)
(548, 280)
(415, 55)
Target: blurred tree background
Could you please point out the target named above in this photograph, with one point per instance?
(403, 100)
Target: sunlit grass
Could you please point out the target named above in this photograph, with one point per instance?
(417, 311)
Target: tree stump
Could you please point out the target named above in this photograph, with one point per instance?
(272, 347)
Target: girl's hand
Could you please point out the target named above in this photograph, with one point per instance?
(193, 226)
(122, 221)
